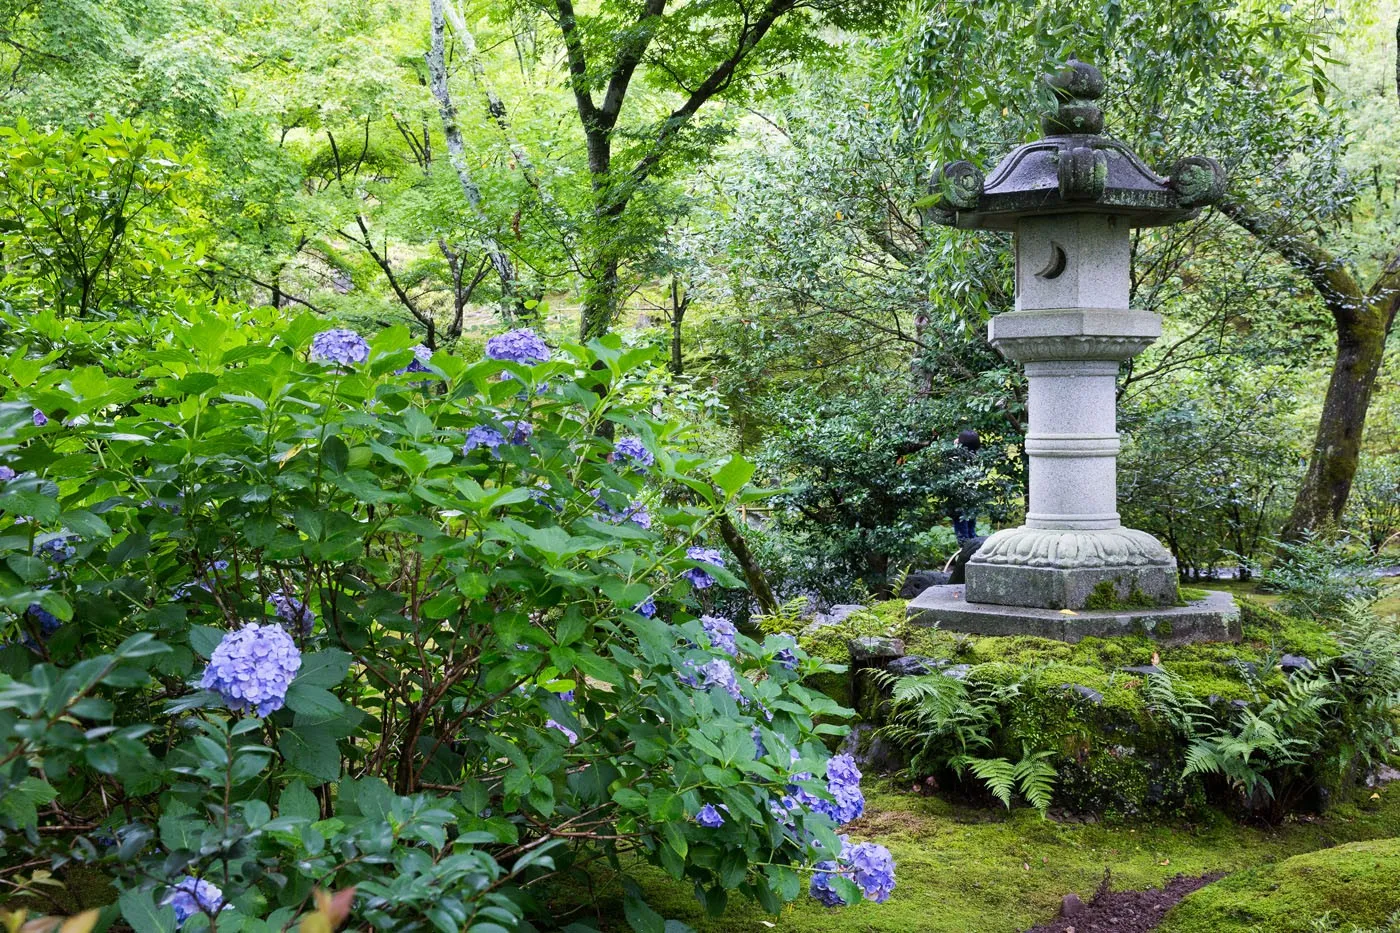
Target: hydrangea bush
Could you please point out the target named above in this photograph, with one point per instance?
(309, 637)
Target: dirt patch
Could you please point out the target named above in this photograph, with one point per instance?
(1122, 911)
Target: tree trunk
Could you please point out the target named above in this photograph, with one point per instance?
(1322, 499)
(753, 574)
(1363, 318)
(512, 303)
(678, 309)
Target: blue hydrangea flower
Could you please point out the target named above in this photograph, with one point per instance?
(192, 896)
(635, 512)
(419, 363)
(40, 419)
(340, 345)
(646, 607)
(293, 611)
(569, 734)
(872, 869)
(709, 817)
(722, 634)
(759, 749)
(56, 549)
(822, 888)
(787, 657)
(47, 621)
(716, 673)
(521, 346)
(483, 436)
(697, 577)
(520, 431)
(252, 668)
(6, 474)
(632, 449)
(843, 783)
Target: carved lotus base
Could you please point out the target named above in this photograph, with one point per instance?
(1053, 569)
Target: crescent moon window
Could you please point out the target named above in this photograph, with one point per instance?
(1056, 266)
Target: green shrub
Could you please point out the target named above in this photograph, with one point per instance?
(484, 699)
(1318, 575)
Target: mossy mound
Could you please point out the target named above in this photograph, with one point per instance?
(1351, 886)
(961, 869)
(1086, 702)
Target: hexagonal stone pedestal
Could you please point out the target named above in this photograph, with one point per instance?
(1215, 618)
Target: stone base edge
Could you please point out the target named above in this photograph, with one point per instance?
(1066, 588)
(1215, 618)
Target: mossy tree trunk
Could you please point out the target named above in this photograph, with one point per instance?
(1363, 317)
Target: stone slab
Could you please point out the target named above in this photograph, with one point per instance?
(1215, 618)
(1065, 588)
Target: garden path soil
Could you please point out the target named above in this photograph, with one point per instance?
(1122, 911)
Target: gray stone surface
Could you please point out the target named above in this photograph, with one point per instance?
(915, 665)
(1215, 618)
(1065, 588)
(872, 650)
(834, 616)
(919, 580)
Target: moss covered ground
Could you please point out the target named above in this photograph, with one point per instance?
(1354, 885)
(965, 870)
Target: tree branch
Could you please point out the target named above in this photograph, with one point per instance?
(1339, 290)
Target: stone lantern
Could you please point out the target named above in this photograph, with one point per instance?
(1071, 199)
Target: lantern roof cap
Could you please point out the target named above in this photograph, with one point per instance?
(1074, 169)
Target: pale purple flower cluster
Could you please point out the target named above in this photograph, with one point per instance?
(339, 345)
(787, 657)
(632, 449)
(566, 697)
(717, 673)
(569, 734)
(293, 611)
(40, 419)
(202, 583)
(869, 865)
(483, 436)
(709, 817)
(697, 577)
(721, 633)
(521, 346)
(56, 549)
(6, 474)
(192, 896)
(636, 513)
(843, 783)
(48, 622)
(646, 607)
(419, 363)
(253, 667)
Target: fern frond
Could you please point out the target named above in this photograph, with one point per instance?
(998, 774)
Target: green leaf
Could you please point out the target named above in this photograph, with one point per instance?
(311, 700)
(323, 668)
(335, 454)
(734, 475)
(298, 802)
(312, 749)
(140, 911)
(629, 799)
(204, 639)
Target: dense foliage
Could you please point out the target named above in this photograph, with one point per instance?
(293, 610)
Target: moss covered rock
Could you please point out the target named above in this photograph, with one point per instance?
(1356, 885)
(1086, 702)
